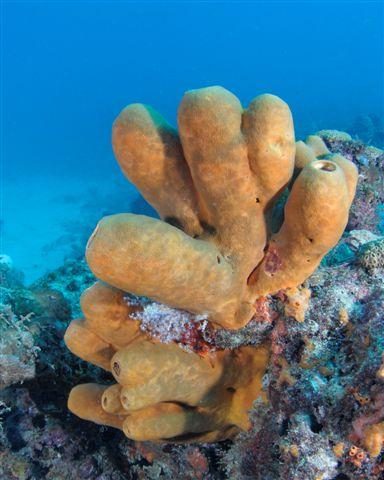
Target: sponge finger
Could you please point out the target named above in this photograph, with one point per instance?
(167, 421)
(149, 152)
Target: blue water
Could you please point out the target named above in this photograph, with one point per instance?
(69, 68)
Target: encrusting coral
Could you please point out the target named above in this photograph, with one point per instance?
(212, 254)
(371, 255)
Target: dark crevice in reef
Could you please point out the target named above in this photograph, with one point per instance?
(284, 427)
(215, 459)
(296, 350)
(38, 470)
(39, 421)
(314, 425)
(14, 437)
(117, 457)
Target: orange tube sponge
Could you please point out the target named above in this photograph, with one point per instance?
(167, 394)
(374, 438)
(110, 313)
(149, 257)
(316, 214)
(308, 151)
(150, 154)
(162, 392)
(213, 187)
(85, 401)
(87, 345)
(109, 324)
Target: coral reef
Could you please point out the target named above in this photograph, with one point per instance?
(371, 255)
(17, 348)
(367, 211)
(323, 377)
(324, 380)
(322, 384)
(368, 129)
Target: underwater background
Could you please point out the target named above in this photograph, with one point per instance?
(67, 69)
(70, 67)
